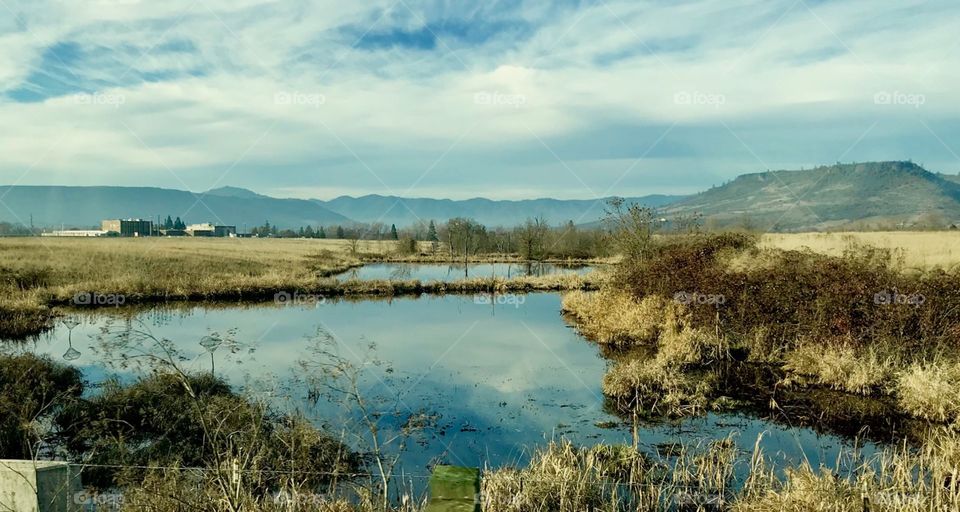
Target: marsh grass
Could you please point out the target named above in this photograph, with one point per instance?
(931, 390)
(718, 476)
(614, 317)
(843, 366)
(813, 315)
(667, 382)
(825, 320)
(37, 274)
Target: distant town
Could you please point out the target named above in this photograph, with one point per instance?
(137, 228)
(144, 228)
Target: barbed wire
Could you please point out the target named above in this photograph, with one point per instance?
(734, 486)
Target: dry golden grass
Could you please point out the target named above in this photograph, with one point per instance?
(38, 272)
(657, 385)
(931, 391)
(63, 267)
(919, 249)
(865, 371)
(613, 317)
(568, 479)
(562, 477)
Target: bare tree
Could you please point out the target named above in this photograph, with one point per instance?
(632, 227)
(464, 237)
(533, 235)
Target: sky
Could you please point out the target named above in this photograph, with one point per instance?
(502, 99)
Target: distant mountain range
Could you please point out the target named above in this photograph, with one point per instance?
(873, 194)
(405, 211)
(87, 206)
(79, 207)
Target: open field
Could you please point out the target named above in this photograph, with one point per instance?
(810, 320)
(38, 272)
(919, 249)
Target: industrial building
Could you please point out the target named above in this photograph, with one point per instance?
(138, 227)
(82, 233)
(207, 229)
(128, 227)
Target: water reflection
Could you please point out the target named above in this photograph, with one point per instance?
(71, 354)
(448, 271)
(470, 387)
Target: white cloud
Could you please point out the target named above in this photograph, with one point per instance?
(218, 73)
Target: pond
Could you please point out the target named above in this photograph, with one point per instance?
(454, 271)
(489, 380)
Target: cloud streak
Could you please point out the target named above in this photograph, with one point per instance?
(365, 98)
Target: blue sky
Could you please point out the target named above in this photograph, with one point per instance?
(510, 99)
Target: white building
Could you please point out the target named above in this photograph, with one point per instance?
(76, 233)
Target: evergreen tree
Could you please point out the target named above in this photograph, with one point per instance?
(308, 232)
(178, 224)
(168, 224)
(393, 232)
(321, 233)
(340, 234)
(432, 233)
(301, 233)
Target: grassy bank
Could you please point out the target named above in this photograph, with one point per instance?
(564, 478)
(37, 275)
(860, 322)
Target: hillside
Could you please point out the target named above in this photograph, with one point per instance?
(405, 211)
(851, 196)
(87, 206)
(846, 195)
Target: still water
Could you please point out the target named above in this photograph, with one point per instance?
(453, 271)
(484, 381)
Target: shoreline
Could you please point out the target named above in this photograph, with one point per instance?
(46, 314)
